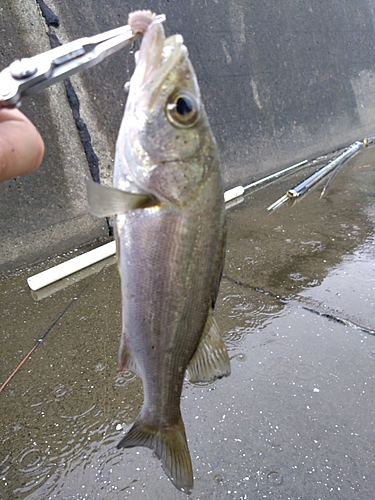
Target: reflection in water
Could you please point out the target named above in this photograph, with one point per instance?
(294, 420)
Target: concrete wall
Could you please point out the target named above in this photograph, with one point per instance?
(281, 82)
(44, 213)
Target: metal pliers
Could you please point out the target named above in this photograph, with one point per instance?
(31, 75)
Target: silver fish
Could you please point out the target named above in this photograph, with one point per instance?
(170, 233)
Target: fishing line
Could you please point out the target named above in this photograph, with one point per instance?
(39, 341)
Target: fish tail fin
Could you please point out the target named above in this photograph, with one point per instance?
(169, 445)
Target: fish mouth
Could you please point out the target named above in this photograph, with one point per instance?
(156, 59)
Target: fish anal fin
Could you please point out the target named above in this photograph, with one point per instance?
(104, 201)
(126, 360)
(169, 445)
(210, 360)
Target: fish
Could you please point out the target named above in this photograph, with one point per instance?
(170, 228)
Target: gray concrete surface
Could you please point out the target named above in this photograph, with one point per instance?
(43, 214)
(295, 420)
(281, 82)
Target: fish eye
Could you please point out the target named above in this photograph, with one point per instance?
(182, 109)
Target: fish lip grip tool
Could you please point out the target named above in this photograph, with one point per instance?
(31, 75)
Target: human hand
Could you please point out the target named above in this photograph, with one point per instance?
(21, 146)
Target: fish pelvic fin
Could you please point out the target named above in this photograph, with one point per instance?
(104, 201)
(210, 360)
(169, 445)
(126, 360)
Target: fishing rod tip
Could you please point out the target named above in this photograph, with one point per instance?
(278, 203)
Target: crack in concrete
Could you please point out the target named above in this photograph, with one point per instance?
(52, 19)
(49, 16)
(84, 135)
(257, 289)
(283, 300)
(341, 321)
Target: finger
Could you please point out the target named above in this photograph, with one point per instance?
(21, 146)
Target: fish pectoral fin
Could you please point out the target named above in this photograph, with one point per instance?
(126, 360)
(169, 445)
(104, 201)
(210, 360)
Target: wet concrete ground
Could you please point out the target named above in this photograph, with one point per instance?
(295, 420)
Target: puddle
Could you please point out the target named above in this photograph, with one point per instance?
(294, 420)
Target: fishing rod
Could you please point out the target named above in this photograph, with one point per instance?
(39, 341)
(332, 167)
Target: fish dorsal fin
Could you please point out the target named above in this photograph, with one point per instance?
(104, 201)
(210, 360)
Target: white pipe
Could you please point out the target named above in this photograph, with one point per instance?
(233, 193)
(71, 266)
(238, 191)
(55, 287)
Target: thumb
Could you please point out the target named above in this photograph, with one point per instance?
(21, 146)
